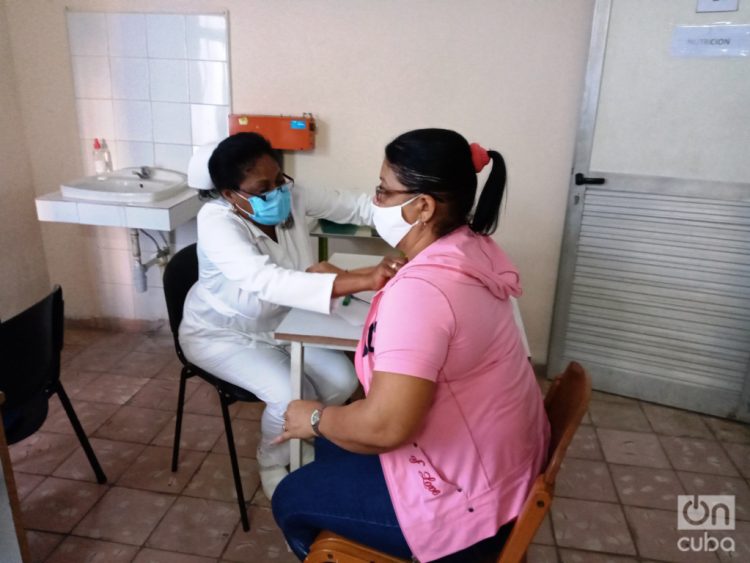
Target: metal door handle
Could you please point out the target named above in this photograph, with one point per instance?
(581, 180)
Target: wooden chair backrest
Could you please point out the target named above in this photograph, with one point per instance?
(566, 402)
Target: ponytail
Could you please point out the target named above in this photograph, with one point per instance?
(487, 211)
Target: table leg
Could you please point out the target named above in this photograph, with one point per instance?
(297, 369)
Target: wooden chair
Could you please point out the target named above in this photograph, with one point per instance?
(566, 402)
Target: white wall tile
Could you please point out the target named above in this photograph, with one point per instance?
(113, 264)
(95, 118)
(87, 33)
(130, 78)
(171, 123)
(210, 123)
(169, 80)
(132, 153)
(166, 36)
(209, 83)
(132, 120)
(91, 78)
(151, 305)
(206, 37)
(186, 234)
(117, 300)
(127, 35)
(174, 157)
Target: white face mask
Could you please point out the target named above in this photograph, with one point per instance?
(389, 222)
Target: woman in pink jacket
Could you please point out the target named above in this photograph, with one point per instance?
(436, 461)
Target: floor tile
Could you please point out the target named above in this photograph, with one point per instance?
(152, 470)
(541, 554)
(161, 344)
(544, 534)
(148, 555)
(704, 484)
(25, 483)
(694, 454)
(41, 544)
(585, 444)
(589, 525)
(199, 432)
(196, 526)
(171, 370)
(214, 479)
(134, 424)
(575, 556)
(264, 541)
(597, 396)
(161, 394)
(246, 437)
(69, 352)
(585, 479)
(674, 422)
(79, 550)
(140, 364)
(42, 452)
(97, 358)
(647, 487)
(124, 516)
(82, 336)
(625, 416)
(205, 400)
(90, 415)
(741, 537)
(73, 379)
(56, 505)
(657, 536)
(729, 430)
(740, 454)
(259, 499)
(115, 389)
(114, 458)
(632, 448)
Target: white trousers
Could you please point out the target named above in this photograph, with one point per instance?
(328, 377)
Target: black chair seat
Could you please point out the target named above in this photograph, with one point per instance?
(23, 420)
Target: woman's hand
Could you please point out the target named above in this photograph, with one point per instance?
(384, 271)
(297, 421)
(324, 268)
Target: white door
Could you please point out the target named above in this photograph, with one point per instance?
(653, 293)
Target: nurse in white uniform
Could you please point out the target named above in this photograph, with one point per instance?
(253, 250)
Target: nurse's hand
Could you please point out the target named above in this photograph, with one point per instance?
(388, 267)
(297, 421)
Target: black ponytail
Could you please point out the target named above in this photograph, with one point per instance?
(488, 207)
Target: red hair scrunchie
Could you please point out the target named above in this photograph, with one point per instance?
(479, 156)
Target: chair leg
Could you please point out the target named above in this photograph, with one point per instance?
(233, 459)
(178, 422)
(101, 478)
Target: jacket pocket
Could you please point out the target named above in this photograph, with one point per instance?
(426, 477)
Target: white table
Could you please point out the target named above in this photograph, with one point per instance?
(305, 328)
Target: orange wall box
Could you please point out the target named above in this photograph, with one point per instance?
(284, 132)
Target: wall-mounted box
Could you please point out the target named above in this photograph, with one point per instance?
(284, 132)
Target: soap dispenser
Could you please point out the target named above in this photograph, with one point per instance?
(102, 157)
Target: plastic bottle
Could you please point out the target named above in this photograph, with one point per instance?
(107, 156)
(100, 165)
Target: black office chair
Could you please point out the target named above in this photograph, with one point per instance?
(30, 346)
(179, 276)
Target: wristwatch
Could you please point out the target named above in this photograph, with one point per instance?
(315, 420)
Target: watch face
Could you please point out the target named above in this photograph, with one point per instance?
(315, 417)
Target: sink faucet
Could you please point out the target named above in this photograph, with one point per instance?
(144, 173)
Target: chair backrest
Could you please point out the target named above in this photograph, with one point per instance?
(30, 345)
(180, 275)
(566, 402)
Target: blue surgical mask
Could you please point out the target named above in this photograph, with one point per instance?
(272, 207)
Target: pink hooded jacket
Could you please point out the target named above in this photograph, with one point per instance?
(446, 317)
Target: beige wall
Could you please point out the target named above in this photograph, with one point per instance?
(505, 73)
(23, 275)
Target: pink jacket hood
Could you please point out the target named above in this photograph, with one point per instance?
(474, 257)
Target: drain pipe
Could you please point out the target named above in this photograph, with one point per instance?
(139, 268)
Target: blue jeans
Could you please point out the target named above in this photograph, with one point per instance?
(345, 493)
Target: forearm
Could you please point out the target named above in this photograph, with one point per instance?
(347, 283)
(355, 429)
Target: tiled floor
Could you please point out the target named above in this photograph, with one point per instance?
(615, 499)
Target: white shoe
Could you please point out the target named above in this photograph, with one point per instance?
(270, 477)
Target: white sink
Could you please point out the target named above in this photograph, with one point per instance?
(124, 186)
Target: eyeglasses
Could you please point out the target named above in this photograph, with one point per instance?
(288, 181)
(381, 193)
